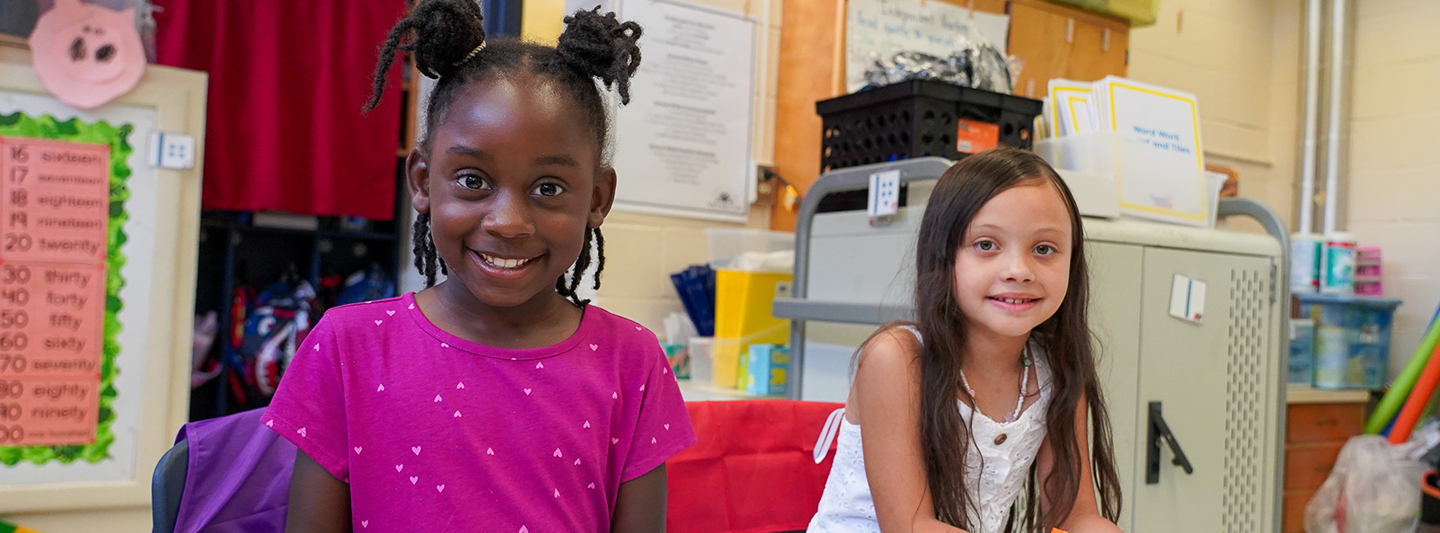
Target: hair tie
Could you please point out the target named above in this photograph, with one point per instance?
(470, 55)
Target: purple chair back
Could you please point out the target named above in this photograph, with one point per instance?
(239, 476)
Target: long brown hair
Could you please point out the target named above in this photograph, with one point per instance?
(945, 439)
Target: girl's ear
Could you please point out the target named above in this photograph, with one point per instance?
(602, 197)
(417, 178)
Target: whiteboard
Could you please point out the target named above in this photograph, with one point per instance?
(151, 298)
(683, 144)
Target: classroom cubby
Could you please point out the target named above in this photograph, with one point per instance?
(235, 252)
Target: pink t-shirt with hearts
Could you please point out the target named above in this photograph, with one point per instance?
(434, 433)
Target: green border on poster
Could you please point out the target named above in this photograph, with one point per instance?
(19, 124)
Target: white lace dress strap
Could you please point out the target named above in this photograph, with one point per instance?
(828, 432)
(913, 330)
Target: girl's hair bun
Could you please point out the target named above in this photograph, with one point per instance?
(602, 47)
(445, 32)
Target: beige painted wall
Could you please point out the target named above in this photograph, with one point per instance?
(1394, 197)
(1241, 59)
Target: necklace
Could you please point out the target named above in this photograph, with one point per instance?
(1024, 379)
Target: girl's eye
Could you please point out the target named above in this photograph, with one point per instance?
(1045, 249)
(986, 246)
(549, 190)
(472, 182)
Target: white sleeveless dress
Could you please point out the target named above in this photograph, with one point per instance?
(994, 477)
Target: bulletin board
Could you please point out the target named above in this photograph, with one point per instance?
(97, 273)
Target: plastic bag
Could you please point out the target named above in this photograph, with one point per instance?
(781, 261)
(976, 63)
(1374, 488)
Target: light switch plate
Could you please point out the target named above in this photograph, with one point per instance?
(884, 196)
(172, 150)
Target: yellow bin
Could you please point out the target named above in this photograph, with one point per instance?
(742, 317)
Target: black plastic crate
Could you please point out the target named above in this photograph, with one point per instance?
(916, 118)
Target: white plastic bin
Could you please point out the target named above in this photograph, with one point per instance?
(702, 360)
(728, 243)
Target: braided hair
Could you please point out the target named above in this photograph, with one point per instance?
(447, 41)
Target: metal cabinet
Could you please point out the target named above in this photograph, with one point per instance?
(1114, 319)
(1215, 386)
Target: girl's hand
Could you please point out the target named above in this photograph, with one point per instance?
(887, 398)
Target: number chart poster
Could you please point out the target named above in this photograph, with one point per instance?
(58, 324)
(68, 398)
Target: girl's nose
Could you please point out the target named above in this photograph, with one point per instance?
(1018, 269)
(509, 217)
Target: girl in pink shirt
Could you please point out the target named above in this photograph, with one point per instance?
(497, 400)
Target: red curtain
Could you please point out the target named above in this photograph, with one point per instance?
(284, 129)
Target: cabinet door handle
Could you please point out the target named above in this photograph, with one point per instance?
(1160, 431)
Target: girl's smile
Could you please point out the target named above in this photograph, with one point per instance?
(1013, 302)
(498, 262)
(510, 269)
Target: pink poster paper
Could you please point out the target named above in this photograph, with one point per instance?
(54, 213)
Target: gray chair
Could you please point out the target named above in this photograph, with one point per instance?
(168, 486)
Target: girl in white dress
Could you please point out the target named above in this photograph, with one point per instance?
(978, 416)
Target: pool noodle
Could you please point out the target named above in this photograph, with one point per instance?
(1399, 390)
(1430, 405)
(1419, 398)
(1390, 426)
(1390, 404)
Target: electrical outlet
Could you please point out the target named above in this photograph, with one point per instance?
(884, 196)
(172, 150)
